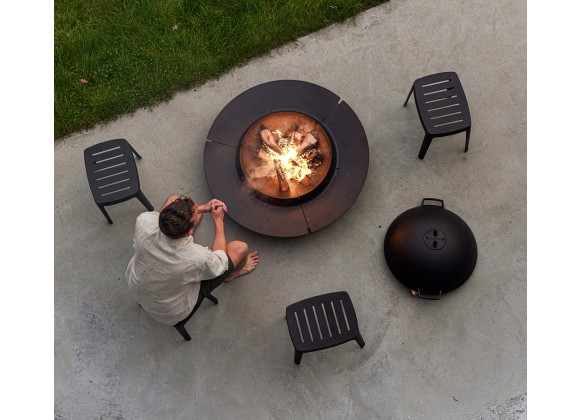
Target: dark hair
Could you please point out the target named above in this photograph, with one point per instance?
(175, 219)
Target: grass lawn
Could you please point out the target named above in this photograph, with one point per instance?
(115, 56)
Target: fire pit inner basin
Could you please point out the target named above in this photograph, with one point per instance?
(285, 155)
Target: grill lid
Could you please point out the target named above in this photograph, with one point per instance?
(430, 249)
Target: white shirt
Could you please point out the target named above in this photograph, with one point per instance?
(164, 274)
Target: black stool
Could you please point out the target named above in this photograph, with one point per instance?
(321, 322)
(112, 174)
(180, 326)
(442, 107)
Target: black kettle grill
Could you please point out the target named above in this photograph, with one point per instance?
(430, 249)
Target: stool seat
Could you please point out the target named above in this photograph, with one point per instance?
(112, 174)
(321, 322)
(442, 107)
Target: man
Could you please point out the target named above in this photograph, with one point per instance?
(170, 274)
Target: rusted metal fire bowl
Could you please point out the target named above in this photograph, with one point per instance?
(259, 165)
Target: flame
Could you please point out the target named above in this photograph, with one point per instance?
(294, 167)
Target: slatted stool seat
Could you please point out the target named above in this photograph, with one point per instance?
(442, 107)
(112, 174)
(321, 322)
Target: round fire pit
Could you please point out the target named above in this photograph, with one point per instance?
(288, 157)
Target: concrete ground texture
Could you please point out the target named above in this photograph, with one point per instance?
(462, 357)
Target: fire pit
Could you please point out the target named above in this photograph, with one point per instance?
(288, 157)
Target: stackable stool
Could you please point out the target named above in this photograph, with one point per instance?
(321, 322)
(442, 107)
(180, 326)
(112, 174)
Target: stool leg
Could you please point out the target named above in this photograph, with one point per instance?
(360, 341)
(467, 134)
(212, 298)
(297, 357)
(408, 96)
(141, 197)
(105, 213)
(183, 331)
(135, 152)
(426, 143)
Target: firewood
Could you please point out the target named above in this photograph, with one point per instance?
(311, 154)
(263, 171)
(282, 182)
(268, 139)
(263, 154)
(283, 142)
(306, 181)
(314, 163)
(308, 142)
(297, 136)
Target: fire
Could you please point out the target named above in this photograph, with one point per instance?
(285, 155)
(294, 166)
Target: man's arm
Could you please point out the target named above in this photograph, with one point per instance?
(219, 241)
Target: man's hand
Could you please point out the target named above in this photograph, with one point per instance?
(217, 213)
(210, 205)
(218, 203)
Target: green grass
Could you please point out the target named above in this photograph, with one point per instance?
(132, 56)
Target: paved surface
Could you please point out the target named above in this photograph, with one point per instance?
(461, 357)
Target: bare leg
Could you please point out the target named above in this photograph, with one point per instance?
(244, 262)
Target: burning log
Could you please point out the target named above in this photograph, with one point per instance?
(314, 163)
(286, 168)
(263, 154)
(306, 181)
(312, 153)
(297, 136)
(277, 135)
(268, 139)
(265, 171)
(308, 142)
(282, 182)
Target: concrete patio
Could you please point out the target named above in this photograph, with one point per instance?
(463, 357)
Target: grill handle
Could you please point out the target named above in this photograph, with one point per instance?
(432, 199)
(429, 294)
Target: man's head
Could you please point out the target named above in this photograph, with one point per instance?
(179, 218)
